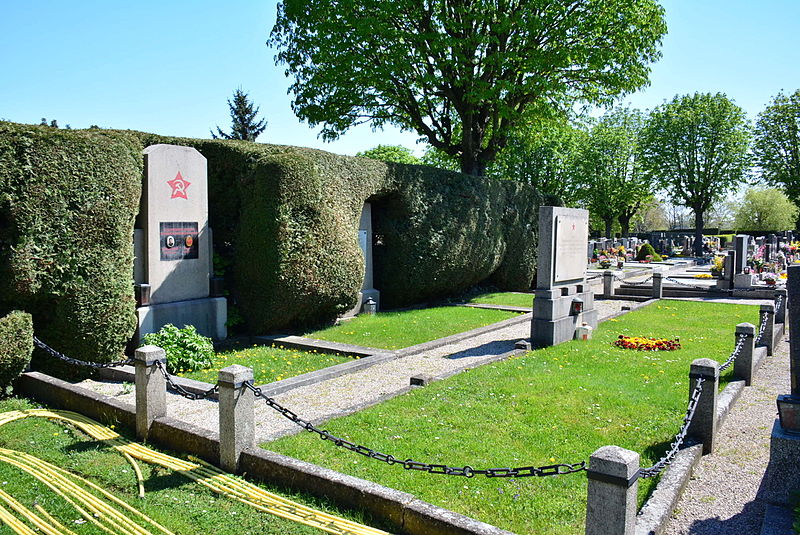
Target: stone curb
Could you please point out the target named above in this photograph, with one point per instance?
(656, 512)
(406, 513)
(299, 342)
(507, 308)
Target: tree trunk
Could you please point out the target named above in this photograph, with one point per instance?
(471, 166)
(609, 227)
(698, 232)
(625, 223)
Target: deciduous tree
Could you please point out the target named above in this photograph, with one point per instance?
(777, 143)
(461, 73)
(696, 147)
(391, 153)
(766, 209)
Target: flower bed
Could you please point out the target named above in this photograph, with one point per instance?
(647, 344)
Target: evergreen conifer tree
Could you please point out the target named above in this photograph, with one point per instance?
(243, 119)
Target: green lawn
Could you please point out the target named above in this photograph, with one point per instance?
(269, 363)
(395, 330)
(549, 406)
(170, 499)
(513, 299)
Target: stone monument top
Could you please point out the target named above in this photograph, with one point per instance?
(563, 239)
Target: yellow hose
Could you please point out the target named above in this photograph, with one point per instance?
(200, 472)
(45, 526)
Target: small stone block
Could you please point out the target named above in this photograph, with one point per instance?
(235, 375)
(625, 307)
(421, 380)
(522, 344)
(149, 355)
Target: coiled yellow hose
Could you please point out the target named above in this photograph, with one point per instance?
(196, 470)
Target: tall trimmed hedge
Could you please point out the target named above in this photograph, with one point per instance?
(67, 205)
(16, 346)
(284, 218)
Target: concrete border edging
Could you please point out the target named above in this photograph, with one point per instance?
(656, 512)
(400, 509)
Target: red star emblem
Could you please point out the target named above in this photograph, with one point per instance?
(179, 186)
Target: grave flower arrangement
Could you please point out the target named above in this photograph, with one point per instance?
(641, 343)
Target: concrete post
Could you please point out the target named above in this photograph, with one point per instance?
(236, 418)
(743, 366)
(767, 314)
(611, 494)
(781, 297)
(793, 318)
(704, 424)
(658, 292)
(151, 388)
(608, 284)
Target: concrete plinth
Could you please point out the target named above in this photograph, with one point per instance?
(207, 315)
(781, 484)
(742, 281)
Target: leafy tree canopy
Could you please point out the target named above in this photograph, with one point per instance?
(547, 158)
(461, 73)
(391, 153)
(243, 119)
(766, 209)
(695, 146)
(777, 143)
(611, 165)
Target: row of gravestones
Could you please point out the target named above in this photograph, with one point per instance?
(595, 247)
(739, 264)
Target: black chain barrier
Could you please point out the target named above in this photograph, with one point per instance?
(172, 385)
(763, 327)
(410, 464)
(639, 283)
(60, 356)
(736, 351)
(693, 286)
(656, 469)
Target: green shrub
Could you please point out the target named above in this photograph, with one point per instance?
(68, 199)
(186, 349)
(647, 249)
(16, 346)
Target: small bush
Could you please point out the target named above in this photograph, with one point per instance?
(647, 249)
(187, 350)
(16, 346)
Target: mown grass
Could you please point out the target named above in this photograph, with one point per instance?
(171, 499)
(513, 299)
(555, 405)
(269, 363)
(398, 329)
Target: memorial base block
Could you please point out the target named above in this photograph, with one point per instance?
(553, 323)
(207, 315)
(781, 484)
(742, 281)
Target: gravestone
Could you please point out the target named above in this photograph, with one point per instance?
(564, 301)
(741, 253)
(172, 243)
(365, 243)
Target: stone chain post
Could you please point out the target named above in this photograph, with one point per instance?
(151, 388)
(611, 495)
(768, 338)
(658, 292)
(704, 424)
(608, 284)
(744, 365)
(236, 415)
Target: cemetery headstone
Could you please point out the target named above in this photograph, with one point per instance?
(365, 243)
(172, 243)
(564, 301)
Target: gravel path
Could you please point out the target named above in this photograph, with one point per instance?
(721, 495)
(349, 393)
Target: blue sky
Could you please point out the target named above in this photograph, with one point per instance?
(169, 66)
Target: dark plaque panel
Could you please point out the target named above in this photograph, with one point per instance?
(178, 240)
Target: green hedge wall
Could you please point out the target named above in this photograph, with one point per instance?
(67, 204)
(284, 219)
(16, 345)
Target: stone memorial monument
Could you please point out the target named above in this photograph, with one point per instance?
(365, 242)
(172, 244)
(564, 301)
(741, 280)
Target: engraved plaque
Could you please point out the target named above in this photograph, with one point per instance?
(178, 241)
(569, 251)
